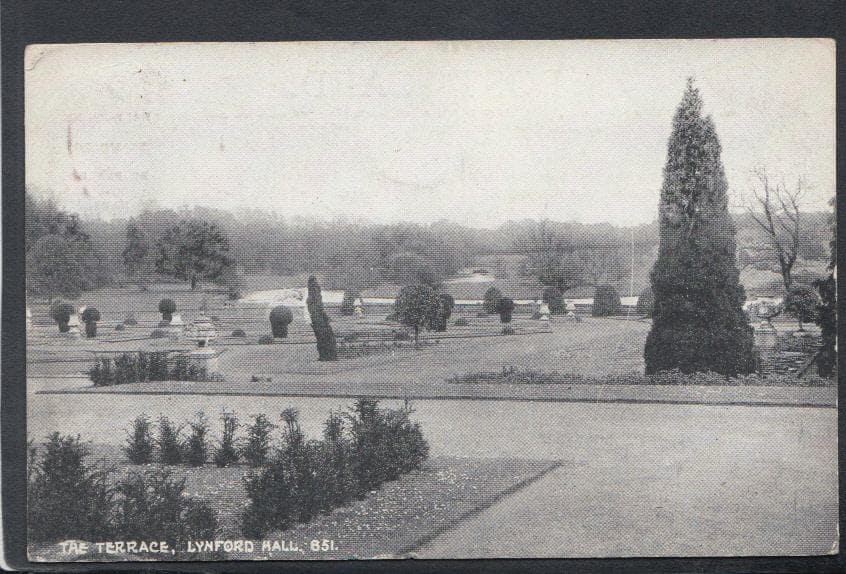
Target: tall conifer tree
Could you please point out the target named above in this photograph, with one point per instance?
(698, 320)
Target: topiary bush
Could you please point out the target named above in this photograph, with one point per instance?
(280, 318)
(505, 308)
(645, 302)
(555, 300)
(327, 349)
(139, 442)
(61, 313)
(66, 497)
(606, 302)
(265, 340)
(491, 298)
(508, 330)
(239, 333)
(90, 316)
(348, 302)
(167, 307)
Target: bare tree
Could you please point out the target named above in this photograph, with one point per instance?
(776, 209)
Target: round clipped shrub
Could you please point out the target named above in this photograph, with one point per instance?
(508, 330)
(552, 296)
(158, 334)
(61, 313)
(280, 318)
(645, 302)
(167, 307)
(265, 340)
(120, 327)
(606, 301)
(90, 316)
(489, 303)
(461, 322)
(239, 333)
(505, 308)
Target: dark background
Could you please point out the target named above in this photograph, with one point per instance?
(70, 21)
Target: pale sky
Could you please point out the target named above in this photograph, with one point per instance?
(474, 132)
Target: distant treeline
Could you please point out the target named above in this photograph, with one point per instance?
(66, 255)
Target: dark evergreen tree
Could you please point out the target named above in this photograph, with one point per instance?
(606, 302)
(135, 252)
(698, 320)
(553, 298)
(327, 348)
(492, 296)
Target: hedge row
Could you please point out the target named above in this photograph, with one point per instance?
(142, 366)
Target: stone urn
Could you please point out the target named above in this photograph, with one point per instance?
(543, 311)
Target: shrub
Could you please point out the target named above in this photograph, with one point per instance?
(158, 334)
(552, 296)
(606, 301)
(505, 308)
(461, 322)
(120, 327)
(827, 321)
(167, 307)
(645, 302)
(508, 330)
(327, 349)
(492, 297)
(402, 336)
(698, 322)
(256, 450)
(348, 302)
(66, 498)
(280, 318)
(152, 505)
(801, 303)
(197, 447)
(169, 442)
(130, 321)
(265, 340)
(215, 319)
(90, 316)
(239, 333)
(101, 372)
(226, 453)
(446, 303)
(415, 306)
(139, 442)
(61, 313)
(142, 366)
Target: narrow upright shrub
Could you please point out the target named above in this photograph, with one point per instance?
(606, 302)
(827, 321)
(280, 318)
(552, 296)
(139, 441)
(61, 313)
(492, 297)
(440, 318)
(169, 442)
(167, 307)
(66, 497)
(348, 302)
(327, 348)
(257, 447)
(505, 308)
(197, 446)
(226, 453)
(698, 321)
(90, 316)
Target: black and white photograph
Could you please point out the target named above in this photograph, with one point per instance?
(454, 299)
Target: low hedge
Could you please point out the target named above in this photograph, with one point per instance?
(515, 375)
(142, 366)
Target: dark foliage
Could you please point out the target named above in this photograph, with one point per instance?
(698, 320)
(90, 316)
(280, 318)
(67, 498)
(461, 322)
(257, 447)
(327, 349)
(61, 313)
(416, 306)
(505, 308)
(438, 321)
(141, 367)
(139, 442)
(645, 302)
(827, 320)
(120, 327)
(606, 302)
(226, 453)
(265, 340)
(801, 303)
(239, 333)
(491, 298)
(167, 307)
(552, 296)
(197, 446)
(348, 302)
(192, 250)
(169, 442)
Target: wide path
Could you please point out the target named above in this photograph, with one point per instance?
(637, 479)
